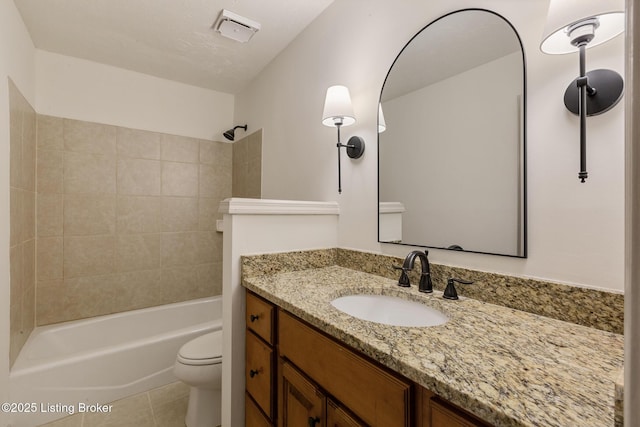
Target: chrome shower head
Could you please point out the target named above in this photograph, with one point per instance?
(231, 133)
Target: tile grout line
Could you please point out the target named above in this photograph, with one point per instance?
(153, 414)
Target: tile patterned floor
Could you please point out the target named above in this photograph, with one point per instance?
(161, 407)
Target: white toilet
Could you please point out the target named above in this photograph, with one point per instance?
(199, 364)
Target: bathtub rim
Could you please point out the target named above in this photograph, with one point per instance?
(23, 365)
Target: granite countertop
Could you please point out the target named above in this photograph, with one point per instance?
(508, 367)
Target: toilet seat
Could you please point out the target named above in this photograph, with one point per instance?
(204, 350)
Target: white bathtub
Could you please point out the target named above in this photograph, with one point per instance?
(104, 358)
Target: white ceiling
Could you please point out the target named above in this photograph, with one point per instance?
(172, 39)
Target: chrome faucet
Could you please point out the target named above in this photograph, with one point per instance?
(425, 277)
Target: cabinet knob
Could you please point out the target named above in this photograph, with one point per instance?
(254, 317)
(253, 373)
(313, 421)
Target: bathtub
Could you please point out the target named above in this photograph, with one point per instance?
(102, 359)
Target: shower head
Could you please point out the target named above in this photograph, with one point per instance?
(230, 134)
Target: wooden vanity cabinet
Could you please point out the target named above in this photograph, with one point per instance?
(297, 376)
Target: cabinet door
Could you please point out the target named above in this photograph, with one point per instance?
(302, 402)
(253, 416)
(378, 397)
(339, 417)
(445, 415)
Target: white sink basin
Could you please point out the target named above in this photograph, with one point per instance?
(389, 310)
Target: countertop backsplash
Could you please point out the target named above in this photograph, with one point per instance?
(583, 306)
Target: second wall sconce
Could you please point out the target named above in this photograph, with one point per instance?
(382, 124)
(575, 25)
(338, 112)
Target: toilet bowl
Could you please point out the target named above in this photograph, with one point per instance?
(199, 365)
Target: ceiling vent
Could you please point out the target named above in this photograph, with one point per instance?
(235, 27)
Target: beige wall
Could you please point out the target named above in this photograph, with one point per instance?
(365, 37)
(22, 218)
(85, 90)
(247, 166)
(126, 218)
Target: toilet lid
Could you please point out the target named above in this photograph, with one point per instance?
(205, 349)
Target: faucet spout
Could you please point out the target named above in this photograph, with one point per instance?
(425, 277)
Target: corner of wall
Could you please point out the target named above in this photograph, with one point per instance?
(16, 61)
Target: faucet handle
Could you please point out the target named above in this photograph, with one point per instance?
(450, 291)
(404, 278)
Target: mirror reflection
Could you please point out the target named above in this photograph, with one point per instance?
(451, 157)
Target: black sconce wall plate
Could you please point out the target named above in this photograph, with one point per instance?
(608, 86)
(355, 147)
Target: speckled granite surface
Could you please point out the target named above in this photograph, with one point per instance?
(509, 367)
(283, 262)
(587, 307)
(619, 400)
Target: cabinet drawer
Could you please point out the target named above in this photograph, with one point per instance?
(376, 396)
(260, 317)
(259, 373)
(253, 416)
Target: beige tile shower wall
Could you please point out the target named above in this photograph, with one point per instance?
(22, 218)
(126, 218)
(247, 166)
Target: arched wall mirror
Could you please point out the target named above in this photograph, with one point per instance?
(451, 171)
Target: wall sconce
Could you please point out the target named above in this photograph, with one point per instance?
(338, 112)
(575, 25)
(231, 133)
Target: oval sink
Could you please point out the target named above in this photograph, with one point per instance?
(389, 310)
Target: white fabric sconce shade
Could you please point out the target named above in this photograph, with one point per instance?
(382, 125)
(337, 107)
(563, 14)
